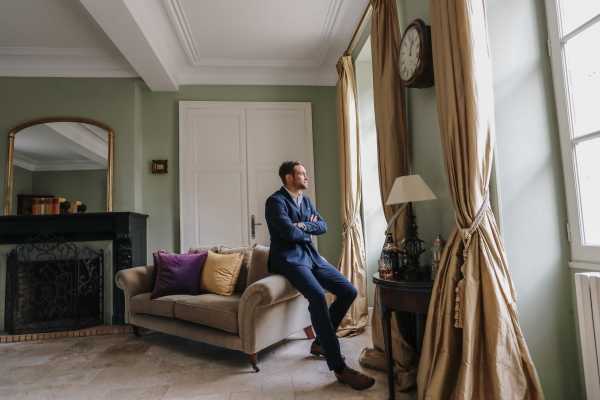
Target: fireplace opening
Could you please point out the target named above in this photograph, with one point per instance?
(53, 285)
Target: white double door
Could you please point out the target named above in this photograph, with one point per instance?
(229, 155)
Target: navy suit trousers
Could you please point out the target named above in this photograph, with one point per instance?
(312, 281)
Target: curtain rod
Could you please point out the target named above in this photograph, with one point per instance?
(359, 28)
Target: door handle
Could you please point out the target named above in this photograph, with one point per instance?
(253, 225)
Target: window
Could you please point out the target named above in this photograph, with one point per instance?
(574, 44)
(374, 222)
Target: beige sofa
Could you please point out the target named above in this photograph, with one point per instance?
(265, 310)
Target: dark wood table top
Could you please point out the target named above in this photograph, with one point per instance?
(402, 284)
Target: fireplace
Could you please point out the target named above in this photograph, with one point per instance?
(53, 285)
(115, 239)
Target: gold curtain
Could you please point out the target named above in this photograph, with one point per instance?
(390, 112)
(473, 346)
(353, 260)
(393, 154)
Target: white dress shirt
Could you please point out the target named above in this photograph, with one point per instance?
(297, 199)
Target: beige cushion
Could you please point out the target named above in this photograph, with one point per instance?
(242, 281)
(220, 273)
(161, 307)
(259, 264)
(219, 312)
(241, 284)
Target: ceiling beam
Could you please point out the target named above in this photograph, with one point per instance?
(132, 26)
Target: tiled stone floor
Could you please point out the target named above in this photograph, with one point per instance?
(161, 367)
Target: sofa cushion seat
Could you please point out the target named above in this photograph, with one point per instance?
(160, 307)
(213, 310)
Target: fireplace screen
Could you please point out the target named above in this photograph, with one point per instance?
(53, 285)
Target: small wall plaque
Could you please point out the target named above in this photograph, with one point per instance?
(159, 166)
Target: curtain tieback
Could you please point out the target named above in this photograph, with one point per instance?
(467, 235)
(347, 226)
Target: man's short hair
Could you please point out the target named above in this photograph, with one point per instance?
(287, 168)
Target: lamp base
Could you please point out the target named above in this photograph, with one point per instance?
(411, 249)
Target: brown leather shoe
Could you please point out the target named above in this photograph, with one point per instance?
(317, 350)
(356, 380)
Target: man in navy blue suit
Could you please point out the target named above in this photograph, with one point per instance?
(292, 219)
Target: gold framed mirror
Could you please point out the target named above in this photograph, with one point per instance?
(59, 165)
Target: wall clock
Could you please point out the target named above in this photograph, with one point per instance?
(416, 61)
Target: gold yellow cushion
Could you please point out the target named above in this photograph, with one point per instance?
(220, 272)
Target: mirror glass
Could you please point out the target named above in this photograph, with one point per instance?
(60, 167)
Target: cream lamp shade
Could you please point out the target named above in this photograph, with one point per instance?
(409, 188)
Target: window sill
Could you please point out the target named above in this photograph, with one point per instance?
(578, 265)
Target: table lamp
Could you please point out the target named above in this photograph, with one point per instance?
(408, 189)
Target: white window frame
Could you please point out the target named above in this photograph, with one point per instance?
(582, 256)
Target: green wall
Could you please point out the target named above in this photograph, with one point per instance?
(529, 178)
(146, 128)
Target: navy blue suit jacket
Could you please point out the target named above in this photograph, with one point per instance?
(291, 245)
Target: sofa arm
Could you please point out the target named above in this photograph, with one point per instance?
(258, 299)
(270, 290)
(135, 280)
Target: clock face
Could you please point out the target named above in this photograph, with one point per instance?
(410, 54)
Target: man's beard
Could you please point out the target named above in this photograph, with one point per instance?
(302, 186)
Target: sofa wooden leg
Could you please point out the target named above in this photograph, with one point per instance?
(254, 361)
(309, 332)
(136, 331)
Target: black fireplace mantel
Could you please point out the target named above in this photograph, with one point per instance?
(126, 230)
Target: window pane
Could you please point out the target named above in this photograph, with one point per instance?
(583, 74)
(588, 171)
(575, 12)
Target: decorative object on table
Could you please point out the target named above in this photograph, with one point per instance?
(74, 207)
(159, 166)
(388, 261)
(81, 208)
(408, 189)
(436, 254)
(416, 61)
(36, 204)
(65, 206)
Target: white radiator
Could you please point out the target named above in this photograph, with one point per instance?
(587, 291)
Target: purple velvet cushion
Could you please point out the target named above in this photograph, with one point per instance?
(177, 273)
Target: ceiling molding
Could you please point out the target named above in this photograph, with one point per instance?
(58, 165)
(182, 28)
(325, 76)
(68, 165)
(180, 21)
(24, 162)
(63, 62)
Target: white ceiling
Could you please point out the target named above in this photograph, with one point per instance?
(169, 43)
(55, 38)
